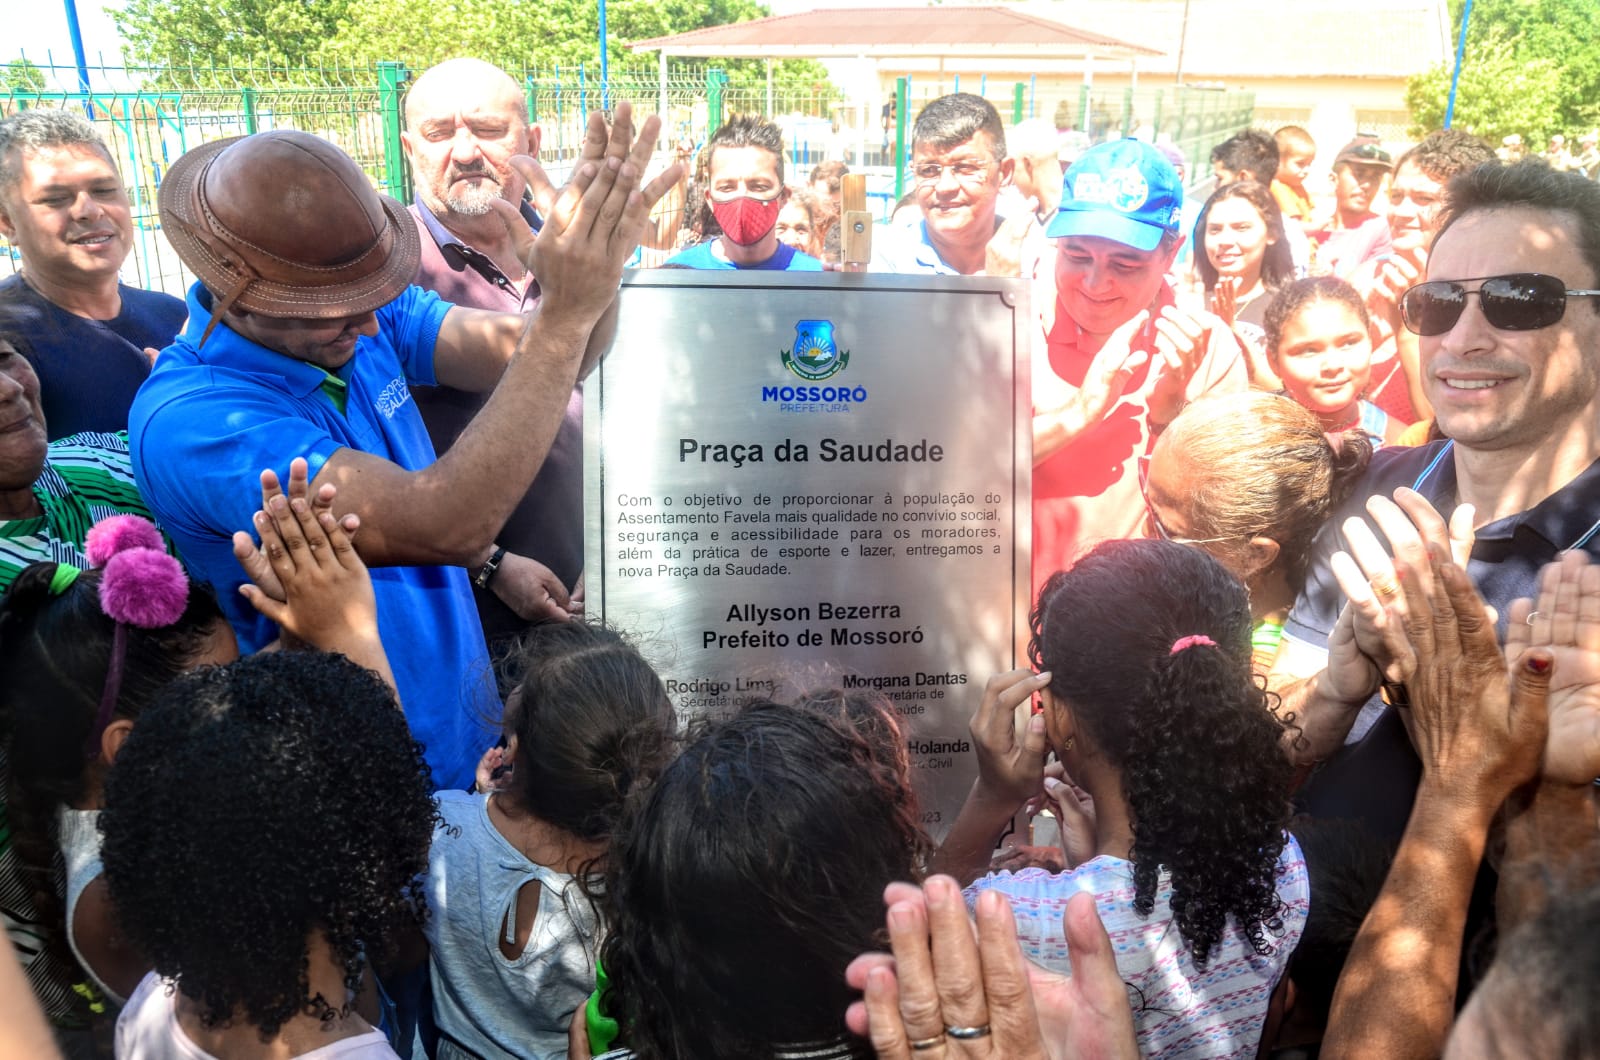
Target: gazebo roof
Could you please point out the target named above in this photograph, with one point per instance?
(896, 32)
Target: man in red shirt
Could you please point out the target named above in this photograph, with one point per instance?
(1116, 360)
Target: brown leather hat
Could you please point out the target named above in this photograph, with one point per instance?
(285, 224)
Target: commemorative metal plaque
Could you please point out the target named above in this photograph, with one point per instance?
(798, 481)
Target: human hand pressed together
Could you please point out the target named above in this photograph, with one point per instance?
(305, 574)
(1478, 728)
(954, 989)
(533, 591)
(1368, 644)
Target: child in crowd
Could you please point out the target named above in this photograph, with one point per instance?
(1242, 259)
(1318, 339)
(751, 874)
(1296, 152)
(1151, 706)
(511, 928)
(266, 828)
(82, 654)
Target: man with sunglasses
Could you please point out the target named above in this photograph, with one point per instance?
(1415, 196)
(1508, 326)
(959, 165)
(745, 191)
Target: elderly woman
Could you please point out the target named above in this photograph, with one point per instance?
(1250, 478)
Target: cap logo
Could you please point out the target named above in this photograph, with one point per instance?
(1121, 189)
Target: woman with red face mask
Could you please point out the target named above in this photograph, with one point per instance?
(745, 192)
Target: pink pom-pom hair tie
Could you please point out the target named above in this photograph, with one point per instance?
(119, 533)
(1198, 640)
(140, 585)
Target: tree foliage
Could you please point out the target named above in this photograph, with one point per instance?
(1531, 67)
(21, 75)
(178, 34)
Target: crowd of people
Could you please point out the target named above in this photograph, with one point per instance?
(308, 749)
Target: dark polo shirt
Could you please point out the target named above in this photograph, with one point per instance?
(1374, 778)
(547, 524)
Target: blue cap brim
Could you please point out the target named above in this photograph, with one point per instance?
(1107, 224)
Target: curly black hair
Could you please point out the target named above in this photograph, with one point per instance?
(748, 877)
(253, 805)
(1203, 768)
(54, 653)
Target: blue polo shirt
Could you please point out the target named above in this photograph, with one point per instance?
(784, 259)
(210, 418)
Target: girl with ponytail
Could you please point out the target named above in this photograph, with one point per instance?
(512, 930)
(1151, 707)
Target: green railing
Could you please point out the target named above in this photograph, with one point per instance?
(149, 117)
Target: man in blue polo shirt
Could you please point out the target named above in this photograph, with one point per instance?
(1509, 337)
(745, 191)
(304, 334)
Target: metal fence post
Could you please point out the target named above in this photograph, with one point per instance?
(1127, 111)
(1016, 101)
(1083, 108)
(715, 80)
(391, 80)
(902, 96)
(249, 93)
(528, 94)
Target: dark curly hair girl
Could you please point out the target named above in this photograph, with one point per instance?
(255, 806)
(749, 876)
(55, 650)
(1202, 769)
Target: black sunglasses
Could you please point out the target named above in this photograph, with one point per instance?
(1522, 301)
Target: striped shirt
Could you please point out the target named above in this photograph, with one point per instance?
(86, 478)
(1179, 1010)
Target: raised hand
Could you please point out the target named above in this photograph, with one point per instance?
(299, 486)
(328, 602)
(952, 989)
(1181, 343)
(1565, 622)
(1010, 757)
(1369, 644)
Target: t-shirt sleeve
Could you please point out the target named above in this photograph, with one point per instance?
(411, 322)
(203, 453)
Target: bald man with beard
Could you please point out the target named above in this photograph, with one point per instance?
(465, 119)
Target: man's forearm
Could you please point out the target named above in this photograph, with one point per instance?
(451, 511)
(479, 480)
(1396, 996)
(1552, 846)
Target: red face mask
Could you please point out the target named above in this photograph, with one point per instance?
(747, 221)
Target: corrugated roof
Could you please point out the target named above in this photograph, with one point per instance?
(896, 31)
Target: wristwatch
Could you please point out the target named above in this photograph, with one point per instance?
(486, 572)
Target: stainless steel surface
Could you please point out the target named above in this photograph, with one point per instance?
(858, 519)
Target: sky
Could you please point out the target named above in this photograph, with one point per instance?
(40, 26)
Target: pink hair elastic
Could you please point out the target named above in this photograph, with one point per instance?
(1199, 640)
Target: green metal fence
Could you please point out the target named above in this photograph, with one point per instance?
(149, 117)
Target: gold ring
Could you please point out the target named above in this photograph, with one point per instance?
(1385, 586)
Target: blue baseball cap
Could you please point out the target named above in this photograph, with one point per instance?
(1124, 191)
